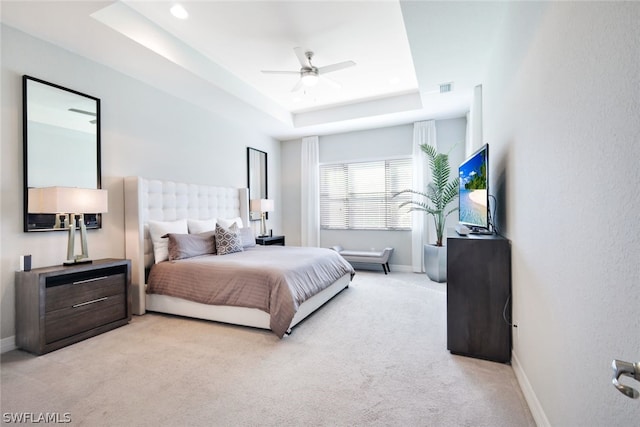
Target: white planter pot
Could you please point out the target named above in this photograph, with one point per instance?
(435, 262)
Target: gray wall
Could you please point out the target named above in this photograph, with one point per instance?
(144, 132)
(561, 109)
(373, 144)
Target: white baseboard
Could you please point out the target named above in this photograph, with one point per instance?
(397, 268)
(401, 268)
(7, 344)
(529, 395)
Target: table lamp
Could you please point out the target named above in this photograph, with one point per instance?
(75, 202)
(263, 206)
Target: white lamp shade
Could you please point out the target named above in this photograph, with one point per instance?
(67, 200)
(262, 205)
(267, 205)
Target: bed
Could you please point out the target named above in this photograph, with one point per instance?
(152, 202)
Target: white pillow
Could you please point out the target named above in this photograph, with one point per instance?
(247, 237)
(157, 229)
(226, 223)
(197, 226)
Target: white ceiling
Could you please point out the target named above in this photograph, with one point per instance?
(402, 50)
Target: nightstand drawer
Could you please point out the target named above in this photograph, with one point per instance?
(84, 316)
(81, 290)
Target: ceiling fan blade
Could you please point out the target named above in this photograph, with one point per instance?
(335, 67)
(297, 86)
(331, 82)
(279, 72)
(88, 113)
(302, 57)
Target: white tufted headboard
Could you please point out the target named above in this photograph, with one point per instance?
(146, 199)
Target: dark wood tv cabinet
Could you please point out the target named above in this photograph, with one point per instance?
(61, 305)
(478, 296)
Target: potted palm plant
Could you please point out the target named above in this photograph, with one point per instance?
(440, 192)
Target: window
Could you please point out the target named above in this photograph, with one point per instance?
(359, 196)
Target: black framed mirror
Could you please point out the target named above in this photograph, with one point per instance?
(256, 178)
(61, 146)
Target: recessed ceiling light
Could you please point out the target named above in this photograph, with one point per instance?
(179, 11)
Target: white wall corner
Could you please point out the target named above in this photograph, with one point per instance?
(8, 344)
(529, 395)
(475, 138)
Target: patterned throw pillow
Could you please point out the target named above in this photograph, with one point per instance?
(228, 240)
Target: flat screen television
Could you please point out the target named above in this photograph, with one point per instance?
(474, 191)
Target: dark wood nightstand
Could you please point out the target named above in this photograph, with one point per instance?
(61, 305)
(270, 240)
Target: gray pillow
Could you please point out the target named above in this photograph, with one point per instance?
(183, 246)
(228, 240)
(247, 237)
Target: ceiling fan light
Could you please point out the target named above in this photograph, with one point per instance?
(309, 79)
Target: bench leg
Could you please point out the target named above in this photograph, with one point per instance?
(388, 269)
(384, 267)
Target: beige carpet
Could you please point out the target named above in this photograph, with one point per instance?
(374, 355)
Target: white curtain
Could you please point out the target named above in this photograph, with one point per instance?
(310, 192)
(422, 227)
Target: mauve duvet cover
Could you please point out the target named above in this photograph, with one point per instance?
(274, 279)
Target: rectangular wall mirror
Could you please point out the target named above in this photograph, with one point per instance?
(256, 177)
(61, 147)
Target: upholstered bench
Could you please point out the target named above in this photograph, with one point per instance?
(369, 257)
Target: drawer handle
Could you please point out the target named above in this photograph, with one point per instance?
(79, 282)
(90, 302)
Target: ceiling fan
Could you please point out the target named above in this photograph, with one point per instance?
(88, 113)
(309, 73)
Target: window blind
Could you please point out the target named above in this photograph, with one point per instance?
(360, 195)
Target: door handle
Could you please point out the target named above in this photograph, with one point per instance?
(627, 369)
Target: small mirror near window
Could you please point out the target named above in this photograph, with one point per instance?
(256, 178)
